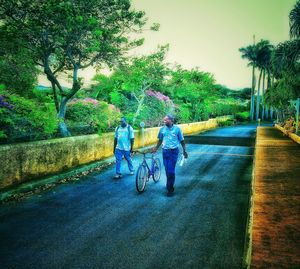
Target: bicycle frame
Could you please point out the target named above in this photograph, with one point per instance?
(145, 171)
(144, 162)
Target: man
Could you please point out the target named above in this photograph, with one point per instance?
(170, 136)
(123, 145)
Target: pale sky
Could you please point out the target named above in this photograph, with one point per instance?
(208, 33)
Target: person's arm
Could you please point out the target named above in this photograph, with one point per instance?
(160, 137)
(184, 149)
(115, 144)
(159, 142)
(131, 144)
(181, 139)
(131, 132)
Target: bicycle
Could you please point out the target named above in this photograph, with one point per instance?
(144, 171)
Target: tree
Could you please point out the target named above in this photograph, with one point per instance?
(194, 89)
(17, 69)
(131, 81)
(250, 53)
(295, 21)
(263, 58)
(285, 67)
(72, 35)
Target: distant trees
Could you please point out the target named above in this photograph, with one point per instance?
(279, 69)
(133, 83)
(250, 53)
(147, 88)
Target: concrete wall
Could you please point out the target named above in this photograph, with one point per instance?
(26, 161)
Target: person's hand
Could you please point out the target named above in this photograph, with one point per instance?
(185, 154)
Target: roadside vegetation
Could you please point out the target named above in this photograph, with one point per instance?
(275, 90)
(54, 37)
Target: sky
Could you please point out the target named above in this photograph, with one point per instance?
(208, 34)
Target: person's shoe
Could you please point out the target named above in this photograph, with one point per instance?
(131, 173)
(117, 176)
(170, 192)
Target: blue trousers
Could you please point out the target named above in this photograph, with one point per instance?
(170, 157)
(119, 154)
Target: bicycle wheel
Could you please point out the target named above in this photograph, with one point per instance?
(157, 170)
(140, 179)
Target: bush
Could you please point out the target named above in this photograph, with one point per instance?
(87, 116)
(226, 123)
(24, 119)
(242, 116)
(153, 112)
(184, 113)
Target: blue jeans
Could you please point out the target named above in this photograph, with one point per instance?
(170, 157)
(119, 154)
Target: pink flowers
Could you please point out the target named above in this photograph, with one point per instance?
(158, 95)
(84, 101)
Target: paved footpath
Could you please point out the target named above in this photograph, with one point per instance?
(276, 212)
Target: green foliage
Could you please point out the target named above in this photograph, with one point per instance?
(242, 116)
(184, 114)
(226, 123)
(295, 21)
(87, 116)
(127, 87)
(153, 112)
(17, 68)
(26, 119)
(71, 35)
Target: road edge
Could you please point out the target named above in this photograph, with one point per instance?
(249, 223)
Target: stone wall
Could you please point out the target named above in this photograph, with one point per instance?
(27, 161)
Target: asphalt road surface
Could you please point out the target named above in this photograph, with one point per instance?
(99, 222)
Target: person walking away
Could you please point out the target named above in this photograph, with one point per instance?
(123, 145)
(170, 136)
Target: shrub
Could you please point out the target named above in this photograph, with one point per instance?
(226, 123)
(154, 110)
(24, 119)
(242, 116)
(86, 116)
(184, 113)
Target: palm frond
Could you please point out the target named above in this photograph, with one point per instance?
(295, 21)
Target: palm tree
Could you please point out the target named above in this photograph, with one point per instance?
(264, 50)
(295, 21)
(250, 53)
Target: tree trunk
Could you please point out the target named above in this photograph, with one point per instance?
(267, 115)
(252, 94)
(55, 96)
(262, 96)
(258, 95)
(61, 116)
(271, 113)
(141, 101)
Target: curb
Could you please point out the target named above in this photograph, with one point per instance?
(25, 187)
(7, 194)
(293, 136)
(249, 223)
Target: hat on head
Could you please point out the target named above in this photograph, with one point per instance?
(171, 117)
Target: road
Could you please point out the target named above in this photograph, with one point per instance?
(99, 222)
